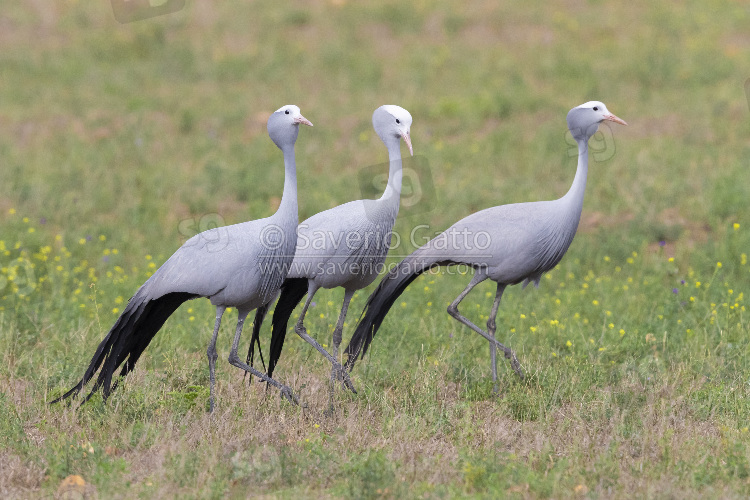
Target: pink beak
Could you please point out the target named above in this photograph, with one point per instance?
(407, 140)
(305, 121)
(615, 119)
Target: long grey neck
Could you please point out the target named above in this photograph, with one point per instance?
(574, 197)
(393, 189)
(288, 205)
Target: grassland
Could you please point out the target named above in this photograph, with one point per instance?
(119, 141)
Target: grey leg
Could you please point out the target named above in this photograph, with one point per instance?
(212, 356)
(235, 360)
(491, 327)
(480, 276)
(300, 330)
(336, 372)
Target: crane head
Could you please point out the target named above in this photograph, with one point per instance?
(392, 121)
(283, 125)
(584, 120)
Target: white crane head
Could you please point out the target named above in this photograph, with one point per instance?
(283, 125)
(392, 121)
(584, 120)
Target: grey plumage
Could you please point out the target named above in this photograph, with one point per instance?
(343, 247)
(241, 265)
(508, 244)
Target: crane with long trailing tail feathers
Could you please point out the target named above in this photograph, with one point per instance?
(344, 246)
(508, 244)
(241, 265)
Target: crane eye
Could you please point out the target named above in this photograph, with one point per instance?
(596, 108)
(398, 121)
(286, 112)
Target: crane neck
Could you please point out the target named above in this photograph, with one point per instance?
(579, 182)
(395, 174)
(288, 205)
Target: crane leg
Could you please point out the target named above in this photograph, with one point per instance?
(336, 373)
(212, 356)
(480, 276)
(300, 330)
(491, 327)
(234, 360)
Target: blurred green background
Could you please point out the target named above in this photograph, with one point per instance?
(119, 141)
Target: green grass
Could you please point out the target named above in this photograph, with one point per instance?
(118, 142)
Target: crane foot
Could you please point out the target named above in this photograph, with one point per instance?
(509, 354)
(343, 376)
(286, 393)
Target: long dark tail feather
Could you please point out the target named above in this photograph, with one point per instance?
(379, 303)
(292, 292)
(260, 315)
(126, 341)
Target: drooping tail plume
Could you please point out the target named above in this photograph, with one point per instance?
(389, 289)
(126, 341)
(292, 292)
(260, 315)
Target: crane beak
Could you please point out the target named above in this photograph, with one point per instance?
(407, 140)
(615, 119)
(303, 120)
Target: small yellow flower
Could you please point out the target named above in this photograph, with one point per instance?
(82, 241)
(595, 302)
(622, 332)
(606, 258)
(532, 328)
(523, 316)
(671, 259)
(736, 226)
(322, 315)
(611, 325)
(148, 257)
(191, 318)
(554, 354)
(316, 426)
(429, 304)
(403, 304)
(102, 237)
(718, 264)
(601, 349)
(569, 343)
(115, 310)
(11, 211)
(697, 284)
